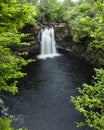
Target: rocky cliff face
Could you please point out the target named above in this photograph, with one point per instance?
(31, 38)
(64, 40)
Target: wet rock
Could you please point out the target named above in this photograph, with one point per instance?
(64, 39)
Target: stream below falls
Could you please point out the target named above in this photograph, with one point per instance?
(43, 101)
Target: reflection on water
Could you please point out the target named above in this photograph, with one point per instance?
(44, 99)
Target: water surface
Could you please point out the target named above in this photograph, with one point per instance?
(44, 99)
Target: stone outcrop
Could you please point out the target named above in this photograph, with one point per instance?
(31, 38)
(93, 55)
(64, 41)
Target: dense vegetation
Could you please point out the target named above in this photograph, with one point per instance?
(85, 18)
(50, 11)
(91, 102)
(13, 15)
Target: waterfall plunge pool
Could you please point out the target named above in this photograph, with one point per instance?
(43, 101)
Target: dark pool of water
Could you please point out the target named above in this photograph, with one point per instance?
(44, 99)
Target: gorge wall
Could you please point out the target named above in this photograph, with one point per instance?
(93, 55)
(64, 41)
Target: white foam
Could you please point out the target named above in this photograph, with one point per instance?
(48, 56)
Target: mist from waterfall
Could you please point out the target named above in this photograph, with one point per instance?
(48, 43)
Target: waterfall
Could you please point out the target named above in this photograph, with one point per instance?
(48, 43)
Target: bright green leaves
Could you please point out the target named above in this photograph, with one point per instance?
(50, 11)
(95, 29)
(91, 101)
(76, 16)
(85, 20)
(10, 70)
(99, 4)
(13, 16)
(98, 33)
(5, 124)
(10, 67)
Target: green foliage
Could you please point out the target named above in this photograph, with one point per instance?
(95, 27)
(87, 19)
(31, 2)
(5, 124)
(50, 11)
(75, 15)
(10, 67)
(13, 16)
(91, 101)
(67, 4)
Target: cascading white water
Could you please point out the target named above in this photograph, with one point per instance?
(48, 43)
